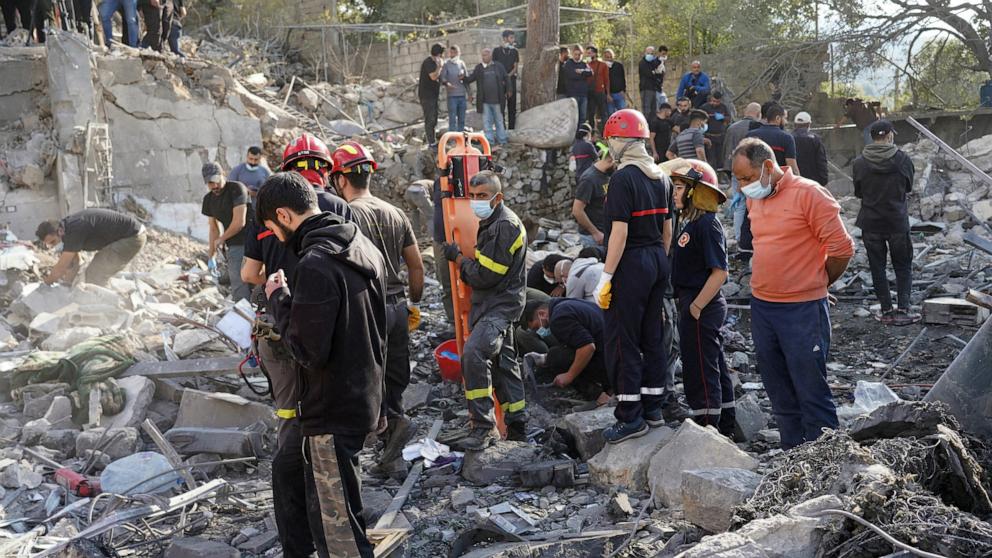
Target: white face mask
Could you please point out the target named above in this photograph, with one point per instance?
(756, 190)
(609, 63)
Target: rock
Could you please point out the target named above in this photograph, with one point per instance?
(586, 429)
(692, 447)
(402, 112)
(65, 339)
(10, 430)
(20, 475)
(59, 414)
(810, 508)
(497, 463)
(308, 100)
(163, 276)
(416, 396)
(725, 545)
(221, 410)
(900, 419)
(547, 126)
(138, 394)
(46, 323)
(118, 443)
(983, 210)
(38, 298)
(62, 440)
(33, 431)
(709, 496)
(195, 547)
(750, 418)
(36, 406)
(461, 497)
(626, 464)
(784, 537)
(258, 544)
(207, 470)
(771, 437)
(189, 340)
(99, 459)
(374, 504)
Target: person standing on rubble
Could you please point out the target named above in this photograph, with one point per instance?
(428, 90)
(632, 286)
(794, 220)
(332, 318)
(452, 74)
(391, 232)
(253, 172)
(496, 275)
(226, 209)
(264, 251)
(115, 237)
(491, 94)
(811, 154)
(599, 89)
(699, 269)
(589, 203)
(509, 57)
(883, 177)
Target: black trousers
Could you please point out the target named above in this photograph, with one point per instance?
(900, 247)
(158, 23)
(397, 356)
(709, 390)
(9, 9)
(597, 108)
(334, 496)
(511, 105)
(289, 493)
(430, 119)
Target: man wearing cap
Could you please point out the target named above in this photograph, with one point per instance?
(811, 155)
(883, 176)
(226, 209)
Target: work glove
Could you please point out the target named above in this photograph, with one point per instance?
(603, 293)
(413, 318)
(451, 251)
(212, 265)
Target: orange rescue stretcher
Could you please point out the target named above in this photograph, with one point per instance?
(460, 156)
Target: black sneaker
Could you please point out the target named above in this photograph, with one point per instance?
(625, 430)
(480, 438)
(673, 410)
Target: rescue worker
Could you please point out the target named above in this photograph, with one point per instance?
(699, 269)
(632, 286)
(496, 275)
(391, 232)
(115, 237)
(332, 318)
(226, 208)
(263, 251)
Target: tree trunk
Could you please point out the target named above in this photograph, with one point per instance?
(539, 78)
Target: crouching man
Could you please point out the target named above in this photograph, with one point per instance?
(115, 237)
(333, 322)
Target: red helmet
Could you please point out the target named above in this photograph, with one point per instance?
(626, 123)
(305, 147)
(696, 172)
(352, 156)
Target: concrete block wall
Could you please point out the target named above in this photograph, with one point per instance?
(25, 79)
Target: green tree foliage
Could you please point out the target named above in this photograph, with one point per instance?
(944, 65)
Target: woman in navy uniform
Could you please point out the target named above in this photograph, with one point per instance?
(699, 269)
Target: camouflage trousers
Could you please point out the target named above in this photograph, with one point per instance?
(334, 496)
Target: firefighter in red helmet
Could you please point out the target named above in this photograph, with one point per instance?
(635, 276)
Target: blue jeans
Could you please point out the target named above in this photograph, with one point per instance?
(456, 114)
(492, 117)
(175, 33)
(582, 102)
(107, 9)
(615, 102)
(792, 341)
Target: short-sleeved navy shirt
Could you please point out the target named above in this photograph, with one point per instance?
(575, 323)
(641, 202)
(592, 190)
(262, 245)
(699, 248)
(585, 155)
(781, 142)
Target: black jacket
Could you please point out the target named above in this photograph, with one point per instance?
(650, 81)
(502, 84)
(811, 156)
(618, 78)
(576, 84)
(882, 187)
(333, 319)
(497, 275)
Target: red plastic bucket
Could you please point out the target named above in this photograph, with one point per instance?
(448, 360)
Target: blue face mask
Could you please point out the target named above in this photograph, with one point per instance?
(251, 167)
(649, 57)
(543, 332)
(481, 208)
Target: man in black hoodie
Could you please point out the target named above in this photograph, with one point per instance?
(333, 322)
(883, 175)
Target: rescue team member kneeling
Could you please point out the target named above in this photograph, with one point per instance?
(699, 269)
(632, 286)
(496, 275)
(333, 321)
(117, 238)
(309, 157)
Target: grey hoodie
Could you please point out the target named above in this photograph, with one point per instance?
(452, 73)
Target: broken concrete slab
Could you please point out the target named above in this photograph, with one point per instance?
(61, 440)
(547, 126)
(709, 496)
(221, 410)
(20, 475)
(725, 545)
(118, 442)
(33, 431)
(65, 339)
(750, 419)
(812, 508)
(898, 420)
(784, 537)
(590, 543)
(228, 442)
(498, 463)
(586, 428)
(461, 497)
(692, 447)
(189, 340)
(138, 394)
(966, 386)
(416, 396)
(626, 464)
(196, 547)
(59, 413)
